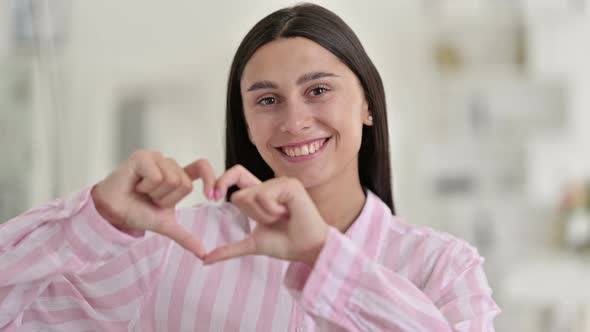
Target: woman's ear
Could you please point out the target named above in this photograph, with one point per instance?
(367, 115)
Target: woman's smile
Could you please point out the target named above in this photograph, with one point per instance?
(303, 151)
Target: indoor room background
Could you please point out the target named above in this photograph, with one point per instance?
(488, 105)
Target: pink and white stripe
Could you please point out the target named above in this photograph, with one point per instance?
(64, 268)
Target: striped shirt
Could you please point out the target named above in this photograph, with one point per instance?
(64, 268)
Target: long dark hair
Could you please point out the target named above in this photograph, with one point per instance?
(328, 30)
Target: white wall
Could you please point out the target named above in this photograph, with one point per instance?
(116, 45)
(559, 49)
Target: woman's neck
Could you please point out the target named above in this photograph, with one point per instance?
(339, 202)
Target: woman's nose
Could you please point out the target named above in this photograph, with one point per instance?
(296, 118)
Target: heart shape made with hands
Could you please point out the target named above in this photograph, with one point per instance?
(289, 226)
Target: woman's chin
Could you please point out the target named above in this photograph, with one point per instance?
(307, 180)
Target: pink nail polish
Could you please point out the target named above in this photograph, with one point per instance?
(210, 194)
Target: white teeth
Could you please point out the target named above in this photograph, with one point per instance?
(304, 149)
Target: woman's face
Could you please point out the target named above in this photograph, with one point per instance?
(305, 110)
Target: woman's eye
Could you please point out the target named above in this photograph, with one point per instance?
(318, 91)
(267, 101)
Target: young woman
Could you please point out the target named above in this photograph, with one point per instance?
(306, 242)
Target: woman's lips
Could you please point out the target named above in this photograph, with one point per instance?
(303, 151)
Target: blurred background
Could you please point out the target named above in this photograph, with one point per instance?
(488, 100)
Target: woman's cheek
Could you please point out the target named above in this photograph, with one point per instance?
(258, 127)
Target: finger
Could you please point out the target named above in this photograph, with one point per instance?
(245, 200)
(237, 175)
(181, 191)
(171, 179)
(270, 204)
(202, 169)
(181, 236)
(150, 174)
(233, 250)
(283, 189)
(175, 196)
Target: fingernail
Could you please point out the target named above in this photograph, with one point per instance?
(210, 194)
(285, 216)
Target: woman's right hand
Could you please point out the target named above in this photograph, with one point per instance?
(141, 194)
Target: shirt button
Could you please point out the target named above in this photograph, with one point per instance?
(299, 329)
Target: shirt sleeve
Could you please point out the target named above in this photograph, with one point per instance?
(41, 246)
(348, 289)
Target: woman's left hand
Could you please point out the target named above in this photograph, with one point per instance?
(289, 226)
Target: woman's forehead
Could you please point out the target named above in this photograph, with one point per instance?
(287, 59)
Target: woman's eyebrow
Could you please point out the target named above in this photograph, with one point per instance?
(262, 85)
(314, 76)
(259, 85)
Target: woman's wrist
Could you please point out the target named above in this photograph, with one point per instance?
(102, 207)
(313, 253)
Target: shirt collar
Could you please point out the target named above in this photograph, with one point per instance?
(373, 212)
